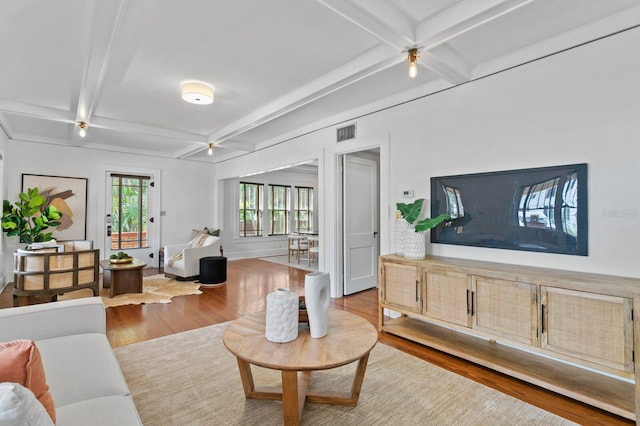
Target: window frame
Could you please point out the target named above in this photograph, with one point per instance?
(272, 210)
(308, 210)
(259, 210)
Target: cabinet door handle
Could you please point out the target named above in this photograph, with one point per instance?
(473, 304)
(468, 302)
(542, 323)
(417, 284)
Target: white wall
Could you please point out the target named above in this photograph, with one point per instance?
(187, 190)
(578, 106)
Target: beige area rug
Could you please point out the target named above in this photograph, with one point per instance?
(190, 378)
(283, 260)
(155, 289)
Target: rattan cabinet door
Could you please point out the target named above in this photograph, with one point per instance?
(505, 309)
(588, 326)
(400, 287)
(448, 297)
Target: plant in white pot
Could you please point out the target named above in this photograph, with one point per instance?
(414, 244)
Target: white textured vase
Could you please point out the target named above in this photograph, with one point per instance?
(316, 296)
(281, 322)
(401, 226)
(415, 245)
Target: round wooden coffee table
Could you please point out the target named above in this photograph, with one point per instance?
(350, 338)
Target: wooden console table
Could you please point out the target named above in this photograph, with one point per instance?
(350, 338)
(570, 332)
(122, 278)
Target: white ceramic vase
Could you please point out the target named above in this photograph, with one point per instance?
(316, 296)
(401, 226)
(281, 322)
(415, 245)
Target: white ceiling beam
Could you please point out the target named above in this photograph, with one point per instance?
(37, 111)
(105, 25)
(99, 122)
(378, 18)
(389, 25)
(461, 19)
(370, 62)
(447, 63)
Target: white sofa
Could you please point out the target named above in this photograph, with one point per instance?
(82, 372)
(183, 260)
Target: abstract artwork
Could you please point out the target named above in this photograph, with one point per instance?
(67, 194)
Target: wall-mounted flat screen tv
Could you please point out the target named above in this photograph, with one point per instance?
(541, 209)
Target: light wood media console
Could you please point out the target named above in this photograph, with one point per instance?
(570, 332)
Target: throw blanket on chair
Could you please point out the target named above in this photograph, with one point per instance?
(196, 242)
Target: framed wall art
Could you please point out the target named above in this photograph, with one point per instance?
(67, 194)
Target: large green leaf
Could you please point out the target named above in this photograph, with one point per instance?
(29, 217)
(429, 223)
(410, 212)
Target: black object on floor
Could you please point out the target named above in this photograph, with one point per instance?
(213, 270)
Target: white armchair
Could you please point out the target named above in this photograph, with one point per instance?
(183, 260)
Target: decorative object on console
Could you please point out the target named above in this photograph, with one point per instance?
(281, 318)
(413, 242)
(400, 230)
(29, 217)
(316, 292)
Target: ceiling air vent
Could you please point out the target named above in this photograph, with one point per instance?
(346, 133)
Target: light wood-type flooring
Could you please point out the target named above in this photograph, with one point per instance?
(248, 283)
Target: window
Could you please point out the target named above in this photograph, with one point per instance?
(250, 209)
(304, 209)
(129, 211)
(279, 209)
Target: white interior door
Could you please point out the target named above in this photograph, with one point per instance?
(360, 219)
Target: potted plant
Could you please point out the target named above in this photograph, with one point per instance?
(413, 241)
(29, 217)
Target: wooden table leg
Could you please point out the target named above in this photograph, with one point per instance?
(349, 399)
(246, 377)
(294, 395)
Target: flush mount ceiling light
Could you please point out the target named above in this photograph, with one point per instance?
(83, 129)
(197, 93)
(413, 57)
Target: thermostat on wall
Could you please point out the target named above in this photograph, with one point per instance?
(407, 193)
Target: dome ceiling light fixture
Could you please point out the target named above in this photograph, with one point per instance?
(197, 93)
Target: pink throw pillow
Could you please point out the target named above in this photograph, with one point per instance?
(20, 362)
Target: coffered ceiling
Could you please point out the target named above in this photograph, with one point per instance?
(279, 67)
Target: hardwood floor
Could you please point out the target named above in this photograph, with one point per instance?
(248, 283)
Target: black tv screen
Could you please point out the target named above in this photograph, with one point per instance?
(541, 209)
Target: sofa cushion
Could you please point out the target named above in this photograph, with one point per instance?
(20, 407)
(81, 367)
(104, 411)
(21, 362)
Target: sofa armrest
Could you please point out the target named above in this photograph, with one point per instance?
(170, 250)
(54, 319)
